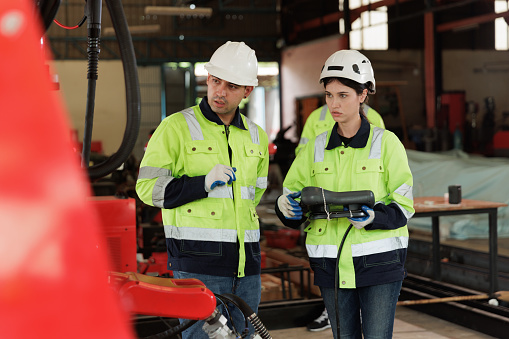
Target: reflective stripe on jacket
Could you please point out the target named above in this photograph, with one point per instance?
(320, 120)
(217, 235)
(369, 256)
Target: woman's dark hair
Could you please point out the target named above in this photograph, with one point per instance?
(357, 87)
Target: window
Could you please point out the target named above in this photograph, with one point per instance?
(501, 28)
(370, 31)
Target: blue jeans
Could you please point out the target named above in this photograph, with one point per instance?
(249, 288)
(376, 303)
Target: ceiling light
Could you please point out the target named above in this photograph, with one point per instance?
(169, 10)
(142, 29)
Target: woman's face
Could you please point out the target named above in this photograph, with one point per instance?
(343, 101)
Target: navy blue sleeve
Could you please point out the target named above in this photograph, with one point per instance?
(387, 217)
(185, 189)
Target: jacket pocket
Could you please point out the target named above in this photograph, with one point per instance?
(369, 174)
(203, 214)
(322, 126)
(201, 156)
(253, 157)
(200, 229)
(252, 223)
(191, 247)
(253, 150)
(317, 227)
(325, 167)
(381, 259)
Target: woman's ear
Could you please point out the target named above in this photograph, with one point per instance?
(363, 96)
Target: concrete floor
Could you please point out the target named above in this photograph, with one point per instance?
(408, 324)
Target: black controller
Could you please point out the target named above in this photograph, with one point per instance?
(325, 204)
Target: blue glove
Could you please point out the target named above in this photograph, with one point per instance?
(218, 176)
(289, 207)
(362, 222)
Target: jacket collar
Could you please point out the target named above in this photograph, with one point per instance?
(212, 116)
(360, 140)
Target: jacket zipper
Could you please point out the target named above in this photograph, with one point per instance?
(227, 132)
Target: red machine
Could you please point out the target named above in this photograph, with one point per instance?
(140, 293)
(172, 298)
(53, 269)
(118, 226)
(53, 276)
(454, 111)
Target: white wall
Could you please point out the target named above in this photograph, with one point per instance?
(300, 74)
(110, 103)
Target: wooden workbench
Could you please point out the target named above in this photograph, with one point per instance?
(436, 207)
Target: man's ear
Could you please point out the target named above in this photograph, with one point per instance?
(247, 91)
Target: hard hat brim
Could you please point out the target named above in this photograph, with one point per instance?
(228, 76)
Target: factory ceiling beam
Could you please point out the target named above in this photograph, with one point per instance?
(333, 18)
(158, 49)
(470, 22)
(177, 11)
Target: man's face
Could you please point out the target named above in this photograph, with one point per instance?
(223, 96)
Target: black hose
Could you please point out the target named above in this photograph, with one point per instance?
(127, 54)
(89, 121)
(259, 327)
(93, 12)
(172, 331)
(250, 314)
(336, 279)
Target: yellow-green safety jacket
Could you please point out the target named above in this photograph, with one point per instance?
(217, 234)
(374, 160)
(320, 120)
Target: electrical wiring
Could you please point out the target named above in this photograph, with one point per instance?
(80, 23)
(220, 299)
(336, 278)
(172, 331)
(227, 309)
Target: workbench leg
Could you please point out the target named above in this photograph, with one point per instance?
(493, 247)
(435, 234)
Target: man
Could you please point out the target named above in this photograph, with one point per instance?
(206, 167)
(320, 120)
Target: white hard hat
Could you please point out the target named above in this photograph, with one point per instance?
(349, 64)
(234, 62)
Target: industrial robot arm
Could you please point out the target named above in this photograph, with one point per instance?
(184, 299)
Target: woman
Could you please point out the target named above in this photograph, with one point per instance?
(354, 155)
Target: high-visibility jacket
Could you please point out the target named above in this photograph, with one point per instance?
(374, 160)
(320, 120)
(219, 233)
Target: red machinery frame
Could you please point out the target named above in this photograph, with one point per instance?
(53, 279)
